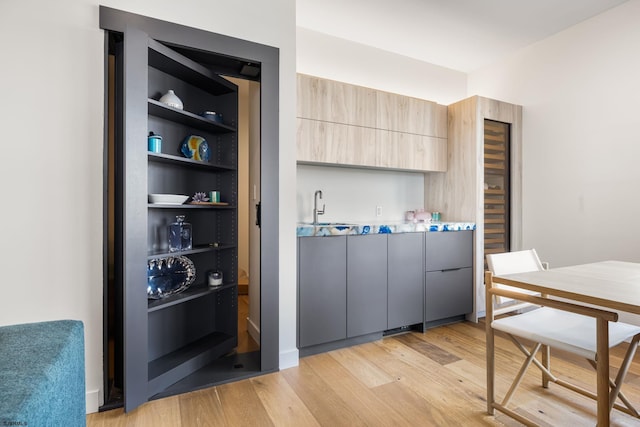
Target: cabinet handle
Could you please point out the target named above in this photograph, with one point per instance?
(452, 269)
(258, 214)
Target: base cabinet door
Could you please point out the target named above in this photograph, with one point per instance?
(405, 279)
(322, 288)
(448, 293)
(366, 284)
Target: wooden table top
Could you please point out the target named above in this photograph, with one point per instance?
(610, 284)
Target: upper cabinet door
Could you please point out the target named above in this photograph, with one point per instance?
(336, 102)
(134, 216)
(401, 113)
(340, 123)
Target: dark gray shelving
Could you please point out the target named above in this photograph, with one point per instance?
(171, 62)
(191, 293)
(174, 366)
(187, 118)
(183, 161)
(184, 332)
(188, 206)
(192, 329)
(195, 250)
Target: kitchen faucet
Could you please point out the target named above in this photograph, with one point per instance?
(316, 211)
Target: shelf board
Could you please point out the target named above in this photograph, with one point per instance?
(187, 118)
(494, 191)
(183, 161)
(171, 62)
(188, 206)
(494, 211)
(190, 294)
(196, 250)
(494, 220)
(169, 369)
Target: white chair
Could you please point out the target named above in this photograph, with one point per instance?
(546, 327)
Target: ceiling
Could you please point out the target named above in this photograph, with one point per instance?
(463, 35)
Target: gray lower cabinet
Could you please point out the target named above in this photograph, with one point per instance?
(322, 289)
(449, 275)
(405, 289)
(366, 284)
(352, 286)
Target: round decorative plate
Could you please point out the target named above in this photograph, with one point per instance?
(195, 147)
(169, 276)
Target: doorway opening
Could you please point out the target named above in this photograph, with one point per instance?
(252, 355)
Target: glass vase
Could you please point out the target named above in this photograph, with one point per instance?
(180, 238)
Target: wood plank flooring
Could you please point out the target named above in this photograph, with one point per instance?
(414, 379)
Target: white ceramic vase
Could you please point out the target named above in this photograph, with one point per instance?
(172, 100)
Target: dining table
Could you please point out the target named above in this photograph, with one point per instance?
(612, 286)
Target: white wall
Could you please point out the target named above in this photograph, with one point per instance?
(51, 168)
(352, 195)
(333, 58)
(581, 137)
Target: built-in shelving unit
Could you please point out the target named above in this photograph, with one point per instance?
(189, 330)
(173, 337)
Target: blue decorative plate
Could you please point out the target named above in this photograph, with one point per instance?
(169, 276)
(195, 147)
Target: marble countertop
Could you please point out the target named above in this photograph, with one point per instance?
(341, 229)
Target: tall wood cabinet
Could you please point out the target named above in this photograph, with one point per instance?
(166, 340)
(459, 194)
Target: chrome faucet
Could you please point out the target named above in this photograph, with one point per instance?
(316, 211)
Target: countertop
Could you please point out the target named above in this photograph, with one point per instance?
(341, 229)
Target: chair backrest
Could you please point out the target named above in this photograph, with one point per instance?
(514, 262)
(509, 263)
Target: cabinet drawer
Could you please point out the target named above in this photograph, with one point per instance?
(446, 250)
(448, 293)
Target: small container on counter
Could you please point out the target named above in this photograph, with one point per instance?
(422, 216)
(410, 216)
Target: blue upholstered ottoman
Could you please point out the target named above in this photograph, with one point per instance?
(42, 374)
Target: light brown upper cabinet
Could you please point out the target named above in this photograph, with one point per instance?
(349, 125)
(410, 115)
(335, 102)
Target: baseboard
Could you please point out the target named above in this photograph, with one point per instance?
(289, 359)
(253, 330)
(92, 401)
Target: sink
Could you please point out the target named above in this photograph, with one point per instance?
(326, 229)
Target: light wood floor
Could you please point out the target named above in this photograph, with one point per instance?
(415, 379)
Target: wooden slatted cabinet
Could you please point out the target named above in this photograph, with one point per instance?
(496, 187)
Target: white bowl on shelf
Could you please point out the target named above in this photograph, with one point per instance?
(167, 199)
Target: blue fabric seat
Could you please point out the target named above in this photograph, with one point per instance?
(42, 374)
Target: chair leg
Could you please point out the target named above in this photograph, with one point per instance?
(490, 368)
(616, 385)
(626, 364)
(531, 357)
(546, 362)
